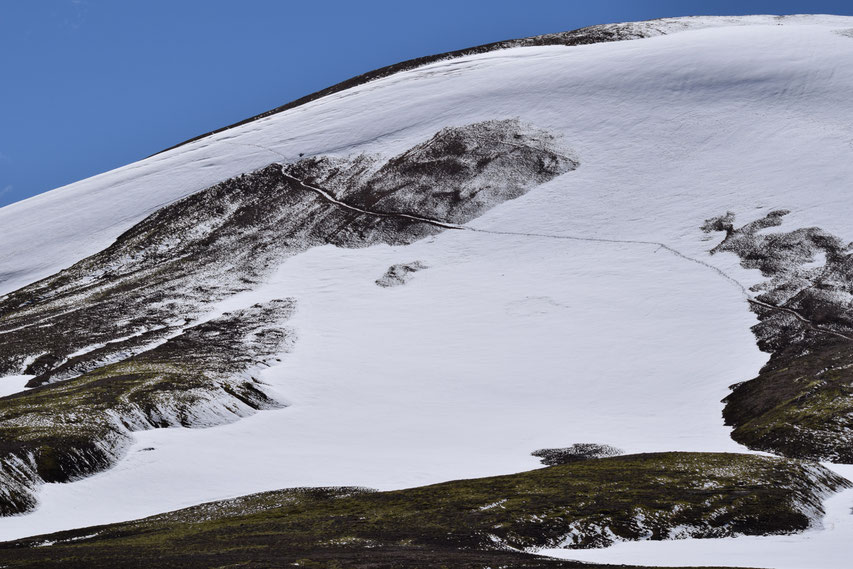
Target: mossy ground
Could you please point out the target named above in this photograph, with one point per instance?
(799, 406)
(485, 522)
(66, 430)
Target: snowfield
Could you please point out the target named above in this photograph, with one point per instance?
(566, 325)
(13, 384)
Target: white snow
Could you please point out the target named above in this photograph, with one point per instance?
(13, 384)
(566, 89)
(436, 386)
(507, 343)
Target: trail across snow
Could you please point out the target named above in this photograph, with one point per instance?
(328, 196)
(450, 378)
(801, 318)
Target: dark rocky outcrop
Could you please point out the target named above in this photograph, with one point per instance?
(202, 377)
(164, 273)
(574, 453)
(801, 404)
(399, 274)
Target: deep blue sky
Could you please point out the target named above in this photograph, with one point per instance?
(89, 85)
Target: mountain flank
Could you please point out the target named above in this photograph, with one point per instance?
(487, 522)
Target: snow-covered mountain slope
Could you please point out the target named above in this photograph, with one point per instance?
(86, 216)
(588, 309)
(114, 340)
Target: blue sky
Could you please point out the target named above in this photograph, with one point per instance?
(89, 85)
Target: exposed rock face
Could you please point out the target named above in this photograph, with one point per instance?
(399, 274)
(801, 404)
(808, 270)
(164, 272)
(115, 340)
(574, 453)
